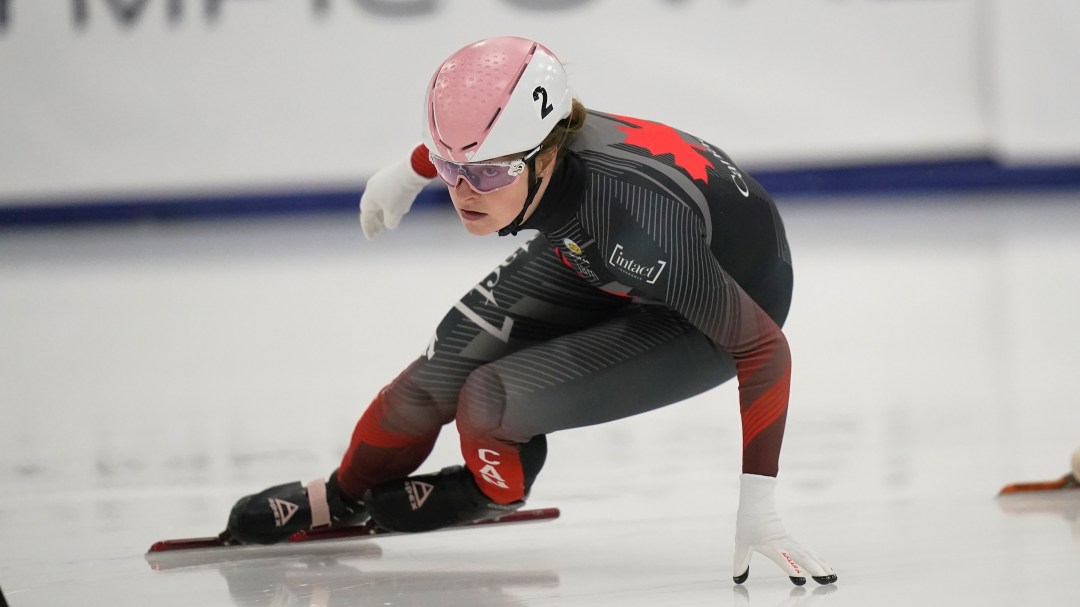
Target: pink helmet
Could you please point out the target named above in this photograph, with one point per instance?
(494, 97)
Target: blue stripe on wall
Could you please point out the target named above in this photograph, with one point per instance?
(918, 177)
(909, 178)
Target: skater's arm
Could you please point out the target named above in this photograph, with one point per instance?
(699, 288)
(693, 283)
(391, 191)
(710, 299)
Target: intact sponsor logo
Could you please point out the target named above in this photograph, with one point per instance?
(283, 510)
(490, 472)
(648, 271)
(573, 246)
(418, 492)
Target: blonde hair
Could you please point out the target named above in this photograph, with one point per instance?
(565, 128)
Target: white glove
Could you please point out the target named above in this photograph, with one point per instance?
(388, 195)
(758, 529)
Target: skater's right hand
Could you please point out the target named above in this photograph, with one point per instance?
(758, 529)
(388, 195)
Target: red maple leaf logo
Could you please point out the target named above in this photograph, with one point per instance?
(662, 139)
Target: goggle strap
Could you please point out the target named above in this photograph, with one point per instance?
(534, 187)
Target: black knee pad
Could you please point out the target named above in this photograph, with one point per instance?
(533, 454)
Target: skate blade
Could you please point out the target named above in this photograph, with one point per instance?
(1066, 482)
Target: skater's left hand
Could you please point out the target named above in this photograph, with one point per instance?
(758, 529)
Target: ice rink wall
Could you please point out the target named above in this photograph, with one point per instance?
(113, 108)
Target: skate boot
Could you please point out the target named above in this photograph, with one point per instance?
(276, 513)
(432, 501)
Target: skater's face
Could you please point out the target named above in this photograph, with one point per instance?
(484, 213)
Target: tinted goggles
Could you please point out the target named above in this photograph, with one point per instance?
(484, 177)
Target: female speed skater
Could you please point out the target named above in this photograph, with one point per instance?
(659, 270)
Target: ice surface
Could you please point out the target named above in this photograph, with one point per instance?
(152, 373)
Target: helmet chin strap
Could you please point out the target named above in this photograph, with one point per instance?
(534, 186)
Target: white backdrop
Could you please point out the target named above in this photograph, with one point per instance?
(1036, 80)
(105, 99)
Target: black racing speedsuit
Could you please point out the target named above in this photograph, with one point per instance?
(661, 270)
